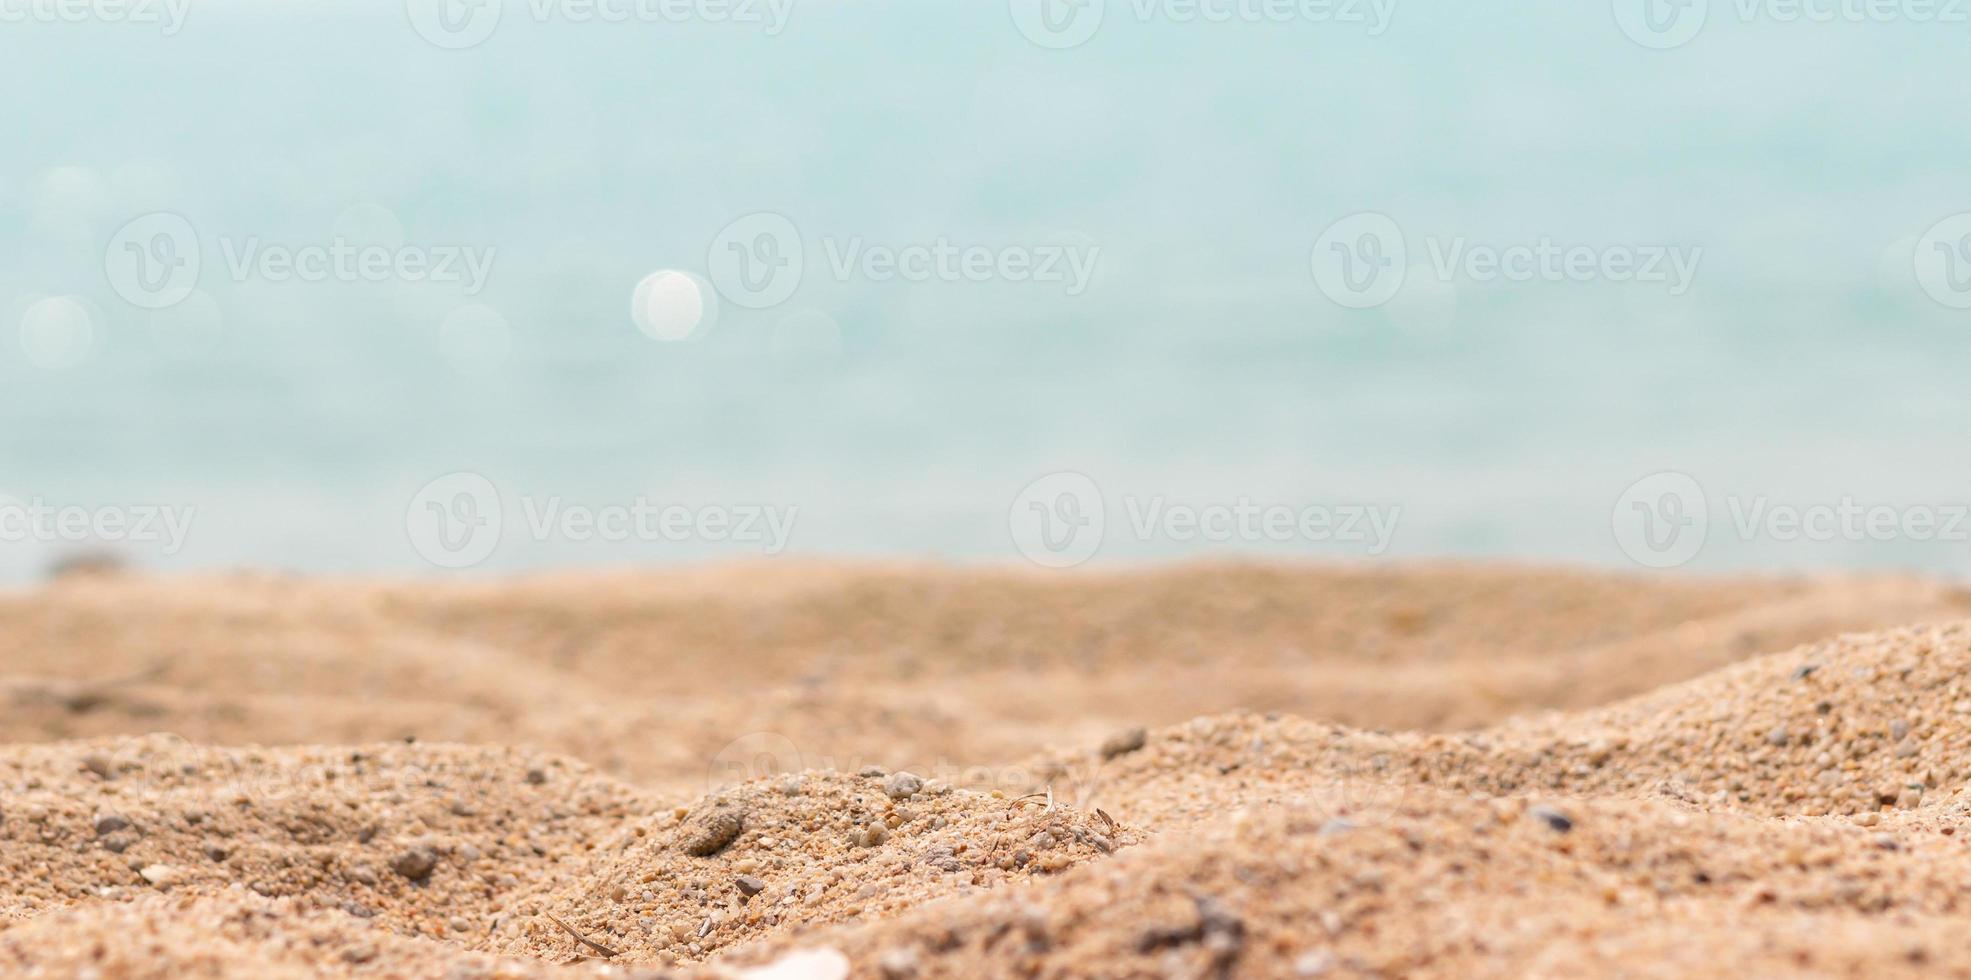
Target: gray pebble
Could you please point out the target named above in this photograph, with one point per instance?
(712, 831)
(415, 864)
(902, 785)
(1125, 742)
(1554, 819)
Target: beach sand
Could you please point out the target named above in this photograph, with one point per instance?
(818, 770)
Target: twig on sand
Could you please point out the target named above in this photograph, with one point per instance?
(600, 949)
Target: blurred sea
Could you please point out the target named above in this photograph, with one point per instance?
(1201, 363)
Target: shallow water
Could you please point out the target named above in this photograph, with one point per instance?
(1192, 166)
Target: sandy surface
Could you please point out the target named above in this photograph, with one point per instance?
(795, 771)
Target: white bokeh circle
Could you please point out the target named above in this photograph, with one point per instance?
(671, 305)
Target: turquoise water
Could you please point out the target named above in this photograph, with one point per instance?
(1201, 362)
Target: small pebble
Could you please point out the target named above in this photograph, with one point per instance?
(1315, 964)
(897, 964)
(902, 785)
(712, 831)
(1336, 826)
(1125, 742)
(415, 864)
(1554, 819)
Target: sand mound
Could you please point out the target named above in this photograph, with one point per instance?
(1849, 726)
(793, 852)
(424, 839)
(1856, 725)
(245, 937)
(1420, 646)
(1444, 886)
(1212, 813)
(1191, 774)
(933, 669)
